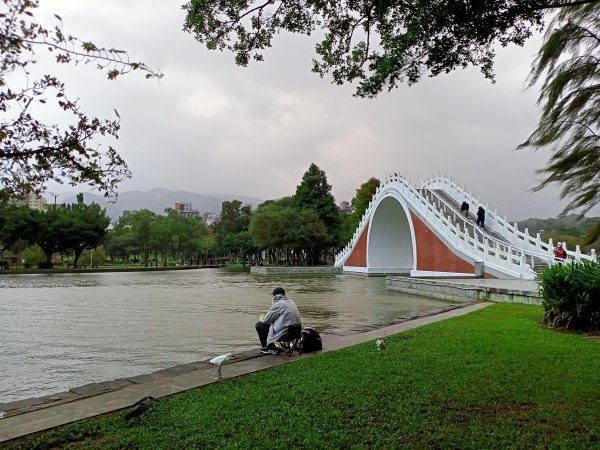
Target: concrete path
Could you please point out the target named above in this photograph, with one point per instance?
(43, 417)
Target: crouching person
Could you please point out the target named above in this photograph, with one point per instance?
(273, 326)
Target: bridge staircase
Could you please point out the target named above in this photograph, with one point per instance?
(538, 254)
(451, 208)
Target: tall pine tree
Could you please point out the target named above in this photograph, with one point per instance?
(314, 193)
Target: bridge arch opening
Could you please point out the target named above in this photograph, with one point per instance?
(390, 244)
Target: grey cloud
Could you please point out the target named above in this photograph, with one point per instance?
(210, 126)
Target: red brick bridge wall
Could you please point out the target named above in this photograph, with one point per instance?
(432, 253)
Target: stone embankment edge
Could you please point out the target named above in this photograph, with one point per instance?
(461, 292)
(272, 270)
(52, 411)
(127, 269)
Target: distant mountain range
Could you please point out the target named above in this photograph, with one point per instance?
(157, 200)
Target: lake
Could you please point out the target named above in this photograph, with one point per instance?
(65, 330)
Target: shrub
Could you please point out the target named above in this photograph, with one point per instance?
(4, 265)
(32, 255)
(571, 296)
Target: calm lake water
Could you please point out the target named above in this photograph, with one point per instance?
(64, 330)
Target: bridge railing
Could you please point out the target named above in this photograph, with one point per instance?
(520, 239)
(478, 246)
(503, 258)
(531, 256)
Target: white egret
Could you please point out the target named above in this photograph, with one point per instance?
(381, 345)
(219, 361)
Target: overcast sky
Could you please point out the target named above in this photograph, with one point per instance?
(211, 126)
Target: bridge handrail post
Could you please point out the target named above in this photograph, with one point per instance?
(593, 255)
(497, 252)
(522, 259)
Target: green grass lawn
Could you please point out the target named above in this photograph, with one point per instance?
(495, 378)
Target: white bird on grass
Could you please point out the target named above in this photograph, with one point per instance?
(219, 361)
(381, 345)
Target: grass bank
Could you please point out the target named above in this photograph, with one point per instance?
(492, 379)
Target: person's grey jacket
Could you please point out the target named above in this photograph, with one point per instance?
(282, 314)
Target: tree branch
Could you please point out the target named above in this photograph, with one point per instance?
(565, 5)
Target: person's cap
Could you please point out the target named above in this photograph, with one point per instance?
(277, 291)
(559, 245)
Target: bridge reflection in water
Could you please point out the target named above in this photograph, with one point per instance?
(65, 330)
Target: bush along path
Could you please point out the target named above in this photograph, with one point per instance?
(571, 296)
(496, 378)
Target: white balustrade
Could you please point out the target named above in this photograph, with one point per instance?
(435, 211)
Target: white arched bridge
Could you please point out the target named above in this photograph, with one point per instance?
(420, 231)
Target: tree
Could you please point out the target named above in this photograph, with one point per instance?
(50, 233)
(188, 233)
(84, 226)
(269, 226)
(360, 203)
(241, 245)
(162, 236)
(379, 43)
(140, 223)
(569, 61)
(314, 192)
(307, 232)
(235, 217)
(34, 151)
(206, 245)
(364, 195)
(16, 223)
(119, 243)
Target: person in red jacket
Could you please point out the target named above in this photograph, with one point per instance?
(560, 254)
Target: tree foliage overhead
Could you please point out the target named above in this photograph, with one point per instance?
(34, 150)
(377, 43)
(569, 125)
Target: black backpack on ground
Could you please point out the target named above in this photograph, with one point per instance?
(311, 340)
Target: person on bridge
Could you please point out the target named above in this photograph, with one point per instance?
(273, 326)
(464, 208)
(560, 254)
(481, 217)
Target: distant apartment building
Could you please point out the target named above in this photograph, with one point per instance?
(209, 218)
(31, 200)
(185, 209)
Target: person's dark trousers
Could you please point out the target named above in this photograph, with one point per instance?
(263, 331)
